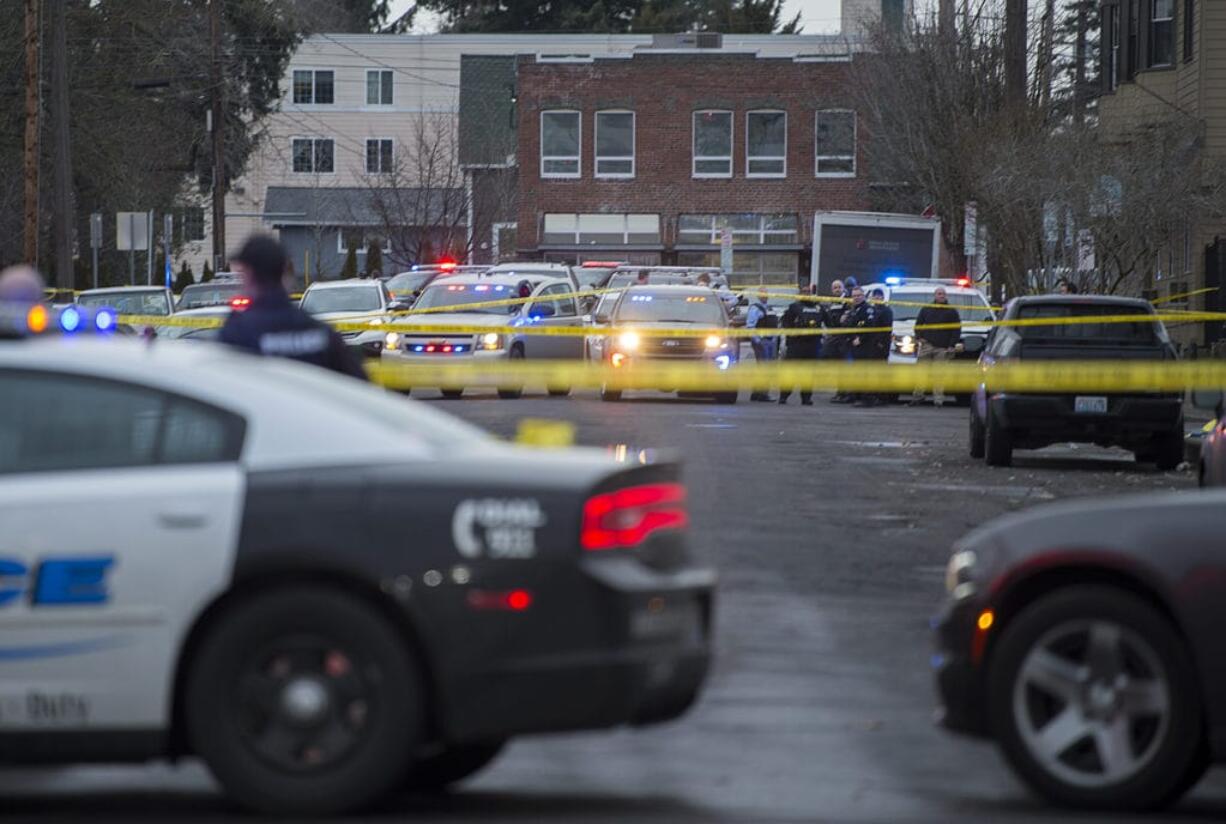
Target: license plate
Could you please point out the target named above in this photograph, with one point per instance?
(1090, 405)
(679, 620)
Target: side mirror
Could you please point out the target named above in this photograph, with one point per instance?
(601, 317)
(1208, 399)
(541, 310)
(399, 305)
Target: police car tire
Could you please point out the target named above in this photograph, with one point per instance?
(380, 757)
(559, 392)
(452, 765)
(452, 394)
(726, 397)
(613, 395)
(512, 393)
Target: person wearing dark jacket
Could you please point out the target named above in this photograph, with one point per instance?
(801, 314)
(936, 344)
(873, 343)
(272, 324)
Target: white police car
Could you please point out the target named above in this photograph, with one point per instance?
(907, 297)
(205, 553)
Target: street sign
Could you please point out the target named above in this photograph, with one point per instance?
(725, 251)
(131, 231)
(95, 230)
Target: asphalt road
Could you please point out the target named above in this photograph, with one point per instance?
(830, 526)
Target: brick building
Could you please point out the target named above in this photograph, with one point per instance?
(649, 157)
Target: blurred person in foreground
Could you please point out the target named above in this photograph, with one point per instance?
(802, 314)
(765, 348)
(273, 324)
(20, 288)
(937, 345)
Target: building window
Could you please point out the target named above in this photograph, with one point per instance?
(1162, 32)
(750, 267)
(1189, 30)
(766, 144)
(193, 224)
(836, 143)
(601, 230)
(313, 87)
(712, 144)
(747, 229)
(360, 241)
(561, 132)
(615, 144)
(893, 12)
(378, 87)
(313, 155)
(379, 156)
(1111, 54)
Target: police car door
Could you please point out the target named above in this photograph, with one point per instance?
(119, 508)
(566, 317)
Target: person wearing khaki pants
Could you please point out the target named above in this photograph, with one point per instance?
(936, 344)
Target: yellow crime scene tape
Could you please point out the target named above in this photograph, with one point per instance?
(860, 376)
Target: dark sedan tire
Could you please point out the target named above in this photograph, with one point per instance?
(1168, 450)
(305, 701)
(1112, 685)
(998, 443)
(726, 397)
(452, 765)
(977, 436)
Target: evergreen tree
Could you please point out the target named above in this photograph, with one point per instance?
(184, 279)
(350, 269)
(207, 274)
(374, 258)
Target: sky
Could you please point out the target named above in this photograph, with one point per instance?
(817, 16)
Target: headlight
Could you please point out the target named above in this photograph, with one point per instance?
(391, 340)
(491, 340)
(958, 572)
(377, 322)
(628, 340)
(905, 345)
(714, 341)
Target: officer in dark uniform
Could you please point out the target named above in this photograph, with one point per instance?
(272, 324)
(874, 344)
(801, 314)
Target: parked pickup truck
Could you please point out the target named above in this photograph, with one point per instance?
(1148, 424)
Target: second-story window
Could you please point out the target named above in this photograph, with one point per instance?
(712, 144)
(313, 87)
(1162, 33)
(313, 155)
(766, 144)
(560, 135)
(379, 87)
(379, 156)
(614, 144)
(836, 143)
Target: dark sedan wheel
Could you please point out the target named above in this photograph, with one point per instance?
(304, 701)
(998, 443)
(451, 765)
(1093, 699)
(977, 436)
(1168, 450)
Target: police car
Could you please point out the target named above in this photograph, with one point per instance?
(907, 297)
(205, 554)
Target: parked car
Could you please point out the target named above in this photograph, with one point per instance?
(465, 300)
(1211, 463)
(1149, 424)
(354, 300)
(211, 293)
(534, 269)
(130, 300)
(1086, 639)
(602, 307)
(905, 298)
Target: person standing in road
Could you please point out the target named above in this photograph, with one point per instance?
(759, 316)
(835, 347)
(801, 314)
(936, 344)
(862, 345)
(273, 324)
(881, 321)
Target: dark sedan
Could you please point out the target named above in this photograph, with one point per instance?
(1086, 640)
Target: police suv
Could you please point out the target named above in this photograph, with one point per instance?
(204, 554)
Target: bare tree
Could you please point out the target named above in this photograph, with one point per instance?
(421, 203)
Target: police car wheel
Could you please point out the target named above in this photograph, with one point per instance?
(304, 701)
(452, 394)
(511, 393)
(607, 394)
(725, 397)
(451, 765)
(559, 392)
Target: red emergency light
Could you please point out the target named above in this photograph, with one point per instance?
(240, 303)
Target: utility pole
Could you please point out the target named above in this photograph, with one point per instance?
(218, 125)
(30, 244)
(1079, 67)
(1047, 56)
(63, 222)
(1015, 52)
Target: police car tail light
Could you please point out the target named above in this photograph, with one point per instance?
(964, 281)
(626, 517)
(240, 303)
